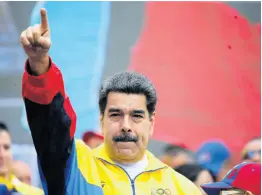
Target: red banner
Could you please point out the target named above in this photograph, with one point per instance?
(204, 59)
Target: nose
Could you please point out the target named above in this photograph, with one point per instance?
(126, 125)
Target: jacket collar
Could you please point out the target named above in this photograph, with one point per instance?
(8, 183)
(153, 162)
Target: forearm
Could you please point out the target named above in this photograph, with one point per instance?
(52, 122)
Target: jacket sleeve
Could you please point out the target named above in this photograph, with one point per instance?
(52, 122)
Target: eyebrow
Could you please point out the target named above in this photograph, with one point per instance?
(114, 110)
(133, 111)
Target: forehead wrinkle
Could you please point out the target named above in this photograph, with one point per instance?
(126, 110)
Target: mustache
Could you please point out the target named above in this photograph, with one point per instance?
(125, 137)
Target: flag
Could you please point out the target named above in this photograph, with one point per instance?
(79, 36)
(204, 59)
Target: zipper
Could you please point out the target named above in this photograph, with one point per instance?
(133, 187)
(132, 181)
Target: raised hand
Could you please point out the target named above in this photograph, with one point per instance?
(36, 43)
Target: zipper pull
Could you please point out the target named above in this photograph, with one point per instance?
(132, 183)
(133, 187)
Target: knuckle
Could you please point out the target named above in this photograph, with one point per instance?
(30, 37)
(34, 32)
(29, 29)
(22, 37)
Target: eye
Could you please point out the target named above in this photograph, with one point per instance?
(138, 116)
(114, 115)
(6, 147)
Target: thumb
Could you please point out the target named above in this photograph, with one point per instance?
(44, 42)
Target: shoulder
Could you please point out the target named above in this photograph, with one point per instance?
(81, 150)
(81, 146)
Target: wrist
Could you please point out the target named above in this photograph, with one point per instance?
(39, 66)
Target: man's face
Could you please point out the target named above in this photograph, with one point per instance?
(126, 126)
(22, 172)
(180, 159)
(253, 151)
(177, 160)
(5, 153)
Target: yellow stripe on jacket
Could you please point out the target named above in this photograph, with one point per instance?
(25, 189)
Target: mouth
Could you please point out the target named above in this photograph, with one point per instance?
(125, 145)
(126, 141)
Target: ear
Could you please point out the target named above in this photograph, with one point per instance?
(248, 193)
(152, 125)
(101, 118)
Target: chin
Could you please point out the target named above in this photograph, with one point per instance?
(125, 153)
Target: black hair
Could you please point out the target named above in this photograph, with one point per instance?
(129, 83)
(255, 139)
(173, 150)
(191, 171)
(3, 127)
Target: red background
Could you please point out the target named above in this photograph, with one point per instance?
(204, 59)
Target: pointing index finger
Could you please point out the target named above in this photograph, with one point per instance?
(44, 20)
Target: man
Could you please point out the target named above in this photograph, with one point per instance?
(177, 155)
(92, 139)
(8, 181)
(22, 171)
(5, 151)
(252, 151)
(243, 179)
(122, 165)
(215, 156)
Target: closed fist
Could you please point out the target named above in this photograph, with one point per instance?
(36, 42)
